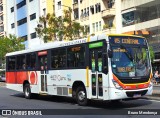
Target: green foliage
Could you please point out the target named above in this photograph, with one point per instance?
(52, 28)
(9, 44)
(152, 54)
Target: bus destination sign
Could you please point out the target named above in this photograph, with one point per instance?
(128, 40)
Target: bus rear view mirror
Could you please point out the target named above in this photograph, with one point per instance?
(110, 53)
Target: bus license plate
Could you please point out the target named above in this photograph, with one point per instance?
(137, 95)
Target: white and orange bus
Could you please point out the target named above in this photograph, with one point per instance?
(103, 67)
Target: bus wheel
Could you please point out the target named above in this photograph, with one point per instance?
(27, 91)
(81, 96)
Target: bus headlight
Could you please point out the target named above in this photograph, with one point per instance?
(117, 85)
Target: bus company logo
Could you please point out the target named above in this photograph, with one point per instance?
(57, 77)
(6, 112)
(32, 77)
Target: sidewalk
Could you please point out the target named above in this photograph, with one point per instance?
(2, 84)
(156, 93)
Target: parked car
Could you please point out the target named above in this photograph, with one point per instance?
(2, 75)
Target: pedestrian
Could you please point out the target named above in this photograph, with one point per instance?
(157, 77)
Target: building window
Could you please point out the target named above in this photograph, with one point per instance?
(87, 11)
(1, 8)
(93, 26)
(12, 9)
(110, 22)
(33, 35)
(44, 11)
(59, 5)
(1, 28)
(21, 4)
(12, 25)
(75, 1)
(96, 26)
(30, 0)
(82, 13)
(22, 21)
(100, 27)
(110, 3)
(1, 18)
(98, 7)
(92, 9)
(76, 16)
(24, 37)
(33, 16)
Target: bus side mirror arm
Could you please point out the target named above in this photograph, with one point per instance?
(110, 53)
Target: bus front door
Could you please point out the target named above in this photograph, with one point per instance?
(43, 73)
(96, 73)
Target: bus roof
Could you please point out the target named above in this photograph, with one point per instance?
(57, 44)
(125, 35)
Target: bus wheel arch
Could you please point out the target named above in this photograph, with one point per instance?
(79, 92)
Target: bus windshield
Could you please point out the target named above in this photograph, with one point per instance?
(130, 60)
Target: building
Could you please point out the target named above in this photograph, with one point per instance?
(2, 17)
(97, 15)
(61, 5)
(142, 17)
(23, 17)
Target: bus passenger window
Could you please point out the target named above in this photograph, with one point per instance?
(76, 56)
(11, 63)
(21, 62)
(58, 58)
(31, 61)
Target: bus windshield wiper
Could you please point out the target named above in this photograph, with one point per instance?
(127, 52)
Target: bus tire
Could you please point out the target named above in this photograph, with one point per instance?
(27, 91)
(81, 96)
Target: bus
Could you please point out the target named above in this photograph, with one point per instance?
(104, 67)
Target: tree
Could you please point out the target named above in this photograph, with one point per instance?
(152, 54)
(9, 44)
(52, 28)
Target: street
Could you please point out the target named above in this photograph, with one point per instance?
(10, 99)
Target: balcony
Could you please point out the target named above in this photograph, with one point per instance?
(75, 5)
(109, 30)
(108, 13)
(126, 4)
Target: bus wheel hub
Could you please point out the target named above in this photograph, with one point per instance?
(81, 95)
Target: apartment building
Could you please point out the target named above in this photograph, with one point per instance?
(23, 17)
(2, 17)
(142, 17)
(61, 5)
(96, 15)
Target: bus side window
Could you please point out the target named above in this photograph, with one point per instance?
(58, 58)
(76, 56)
(31, 61)
(11, 63)
(105, 63)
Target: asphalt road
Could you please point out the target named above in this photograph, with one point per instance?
(10, 99)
